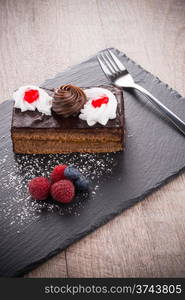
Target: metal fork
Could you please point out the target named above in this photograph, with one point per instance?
(119, 76)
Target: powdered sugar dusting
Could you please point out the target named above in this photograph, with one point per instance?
(16, 205)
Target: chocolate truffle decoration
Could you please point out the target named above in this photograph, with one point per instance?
(68, 100)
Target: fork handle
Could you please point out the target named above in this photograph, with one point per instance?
(162, 108)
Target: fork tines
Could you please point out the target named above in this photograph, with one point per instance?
(110, 64)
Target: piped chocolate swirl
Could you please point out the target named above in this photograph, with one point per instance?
(68, 100)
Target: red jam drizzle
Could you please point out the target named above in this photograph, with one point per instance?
(31, 95)
(98, 102)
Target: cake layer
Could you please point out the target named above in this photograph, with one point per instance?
(43, 142)
(60, 148)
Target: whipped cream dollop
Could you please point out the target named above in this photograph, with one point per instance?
(31, 97)
(100, 107)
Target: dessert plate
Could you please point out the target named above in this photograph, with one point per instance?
(32, 232)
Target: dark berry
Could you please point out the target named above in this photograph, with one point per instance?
(82, 184)
(72, 173)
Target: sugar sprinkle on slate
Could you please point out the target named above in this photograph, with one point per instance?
(20, 209)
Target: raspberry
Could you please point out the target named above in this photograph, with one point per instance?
(58, 173)
(39, 188)
(63, 191)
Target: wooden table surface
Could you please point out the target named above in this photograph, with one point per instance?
(42, 37)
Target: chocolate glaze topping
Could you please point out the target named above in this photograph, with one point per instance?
(68, 100)
(36, 120)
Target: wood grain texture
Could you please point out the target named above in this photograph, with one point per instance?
(41, 38)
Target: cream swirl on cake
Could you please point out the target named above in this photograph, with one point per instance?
(68, 100)
(100, 107)
(31, 97)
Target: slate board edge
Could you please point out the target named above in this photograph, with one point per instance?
(106, 219)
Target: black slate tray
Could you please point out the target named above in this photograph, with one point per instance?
(31, 232)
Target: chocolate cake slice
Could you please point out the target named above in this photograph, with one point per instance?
(36, 133)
